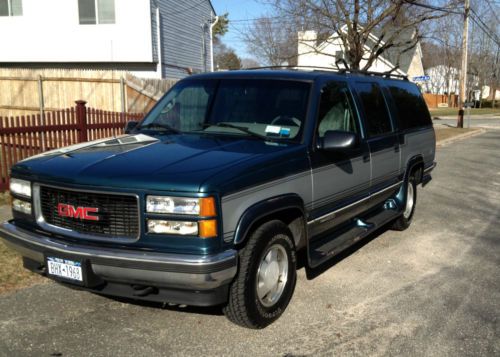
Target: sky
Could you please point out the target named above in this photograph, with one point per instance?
(239, 11)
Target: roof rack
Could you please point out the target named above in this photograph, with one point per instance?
(387, 74)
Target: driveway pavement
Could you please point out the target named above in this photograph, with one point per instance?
(487, 121)
(433, 290)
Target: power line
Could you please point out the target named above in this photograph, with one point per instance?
(435, 8)
(493, 10)
(482, 26)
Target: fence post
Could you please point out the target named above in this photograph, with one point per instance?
(81, 120)
(42, 110)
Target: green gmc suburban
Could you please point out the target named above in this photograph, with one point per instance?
(209, 199)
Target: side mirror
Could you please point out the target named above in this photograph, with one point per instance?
(131, 125)
(338, 140)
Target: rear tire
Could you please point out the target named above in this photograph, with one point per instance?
(266, 277)
(404, 221)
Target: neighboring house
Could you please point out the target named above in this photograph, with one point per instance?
(443, 80)
(151, 38)
(446, 80)
(313, 53)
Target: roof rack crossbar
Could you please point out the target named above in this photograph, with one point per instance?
(387, 74)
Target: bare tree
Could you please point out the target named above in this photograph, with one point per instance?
(272, 43)
(483, 65)
(249, 63)
(442, 53)
(354, 22)
(225, 57)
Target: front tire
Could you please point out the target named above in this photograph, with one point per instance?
(266, 277)
(404, 221)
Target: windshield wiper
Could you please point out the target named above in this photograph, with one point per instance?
(162, 126)
(240, 128)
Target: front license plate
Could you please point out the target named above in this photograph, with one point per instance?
(64, 268)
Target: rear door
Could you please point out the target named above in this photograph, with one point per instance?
(382, 139)
(341, 180)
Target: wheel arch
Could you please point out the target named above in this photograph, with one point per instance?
(288, 208)
(415, 163)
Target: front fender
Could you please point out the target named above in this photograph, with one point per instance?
(264, 209)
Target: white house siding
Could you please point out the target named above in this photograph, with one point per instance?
(185, 25)
(49, 32)
(324, 56)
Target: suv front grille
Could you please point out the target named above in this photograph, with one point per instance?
(118, 214)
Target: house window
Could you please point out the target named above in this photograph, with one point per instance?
(93, 12)
(11, 7)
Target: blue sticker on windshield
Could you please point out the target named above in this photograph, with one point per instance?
(285, 132)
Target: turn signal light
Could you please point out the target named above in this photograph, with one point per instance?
(207, 207)
(207, 228)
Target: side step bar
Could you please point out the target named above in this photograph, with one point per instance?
(333, 242)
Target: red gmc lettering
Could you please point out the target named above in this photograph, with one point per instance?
(65, 210)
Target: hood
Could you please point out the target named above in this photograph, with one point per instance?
(164, 163)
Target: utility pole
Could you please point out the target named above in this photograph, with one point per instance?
(463, 73)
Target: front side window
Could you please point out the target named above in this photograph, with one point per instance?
(376, 114)
(335, 109)
(93, 12)
(11, 8)
(269, 109)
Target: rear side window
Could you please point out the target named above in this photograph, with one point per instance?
(411, 108)
(376, 114)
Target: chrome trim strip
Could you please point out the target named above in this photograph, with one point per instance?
(333, 213)
(37, 204)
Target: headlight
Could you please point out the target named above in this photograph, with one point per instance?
(181, 205)
(172, 227)
(20, 187)
(21, 206)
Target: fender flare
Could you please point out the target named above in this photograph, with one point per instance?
(401, 195)
(414, 161)
(265, 208)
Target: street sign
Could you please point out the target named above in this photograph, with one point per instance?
(469, 104)
(421, 78)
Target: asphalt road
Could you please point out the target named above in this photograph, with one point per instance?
(433, 290)
(476, 121)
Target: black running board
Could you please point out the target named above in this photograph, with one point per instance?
(322, 248)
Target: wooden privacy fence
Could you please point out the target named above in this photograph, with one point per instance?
(25, 136)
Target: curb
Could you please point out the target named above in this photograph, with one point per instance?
(460, 137)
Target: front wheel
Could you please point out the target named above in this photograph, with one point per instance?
(404, 221)
(266, 278)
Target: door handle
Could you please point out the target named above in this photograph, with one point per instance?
(396, 147)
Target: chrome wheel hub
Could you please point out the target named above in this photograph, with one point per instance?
(410, 201)
(272, 275)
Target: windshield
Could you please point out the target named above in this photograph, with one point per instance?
(266, 109)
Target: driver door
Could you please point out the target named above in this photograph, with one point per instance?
(341, 180)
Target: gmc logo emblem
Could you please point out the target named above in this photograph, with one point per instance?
(65, 210)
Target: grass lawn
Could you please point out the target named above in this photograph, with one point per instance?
(454, 111)
(447, 133)
(12, 274)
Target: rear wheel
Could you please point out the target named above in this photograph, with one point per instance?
(404, 221)
(266, 277)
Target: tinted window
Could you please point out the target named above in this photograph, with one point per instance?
(411, 108)
(335, 109)
(377, 117)
(270, 108)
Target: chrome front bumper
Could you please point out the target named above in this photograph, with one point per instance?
(172, 271)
